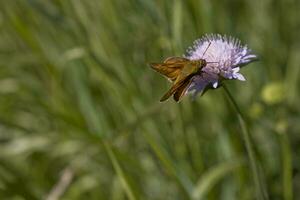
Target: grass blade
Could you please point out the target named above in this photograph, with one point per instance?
(213, 176)
(259, 185)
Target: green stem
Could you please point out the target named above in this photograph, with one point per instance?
(259, 186)
(287, 167)
(119, 171)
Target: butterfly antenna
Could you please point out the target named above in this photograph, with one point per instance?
(206, 49)
(205, 52)
(212, 62)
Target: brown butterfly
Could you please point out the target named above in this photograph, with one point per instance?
(180, 71)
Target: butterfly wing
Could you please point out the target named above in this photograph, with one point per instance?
(180, 85)
(171, 67)
(182, 90)
(173, 60)
(170, 71)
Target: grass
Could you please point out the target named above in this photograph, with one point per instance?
(259, 182)
(76, 93)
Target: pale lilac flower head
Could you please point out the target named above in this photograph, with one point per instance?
(224, 57)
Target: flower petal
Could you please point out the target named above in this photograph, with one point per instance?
(215, 84)
(236, 70)
(239, 77)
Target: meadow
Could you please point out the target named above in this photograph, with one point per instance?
(80, 116)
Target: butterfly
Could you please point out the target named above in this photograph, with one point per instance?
(180, 71)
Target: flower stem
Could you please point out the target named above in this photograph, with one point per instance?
(259, 185)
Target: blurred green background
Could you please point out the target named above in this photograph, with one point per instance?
(79, 110)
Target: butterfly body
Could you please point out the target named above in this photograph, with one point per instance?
(180, 72)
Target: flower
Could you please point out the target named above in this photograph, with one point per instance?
(224, 56)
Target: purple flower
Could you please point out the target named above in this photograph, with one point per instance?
(224, 57)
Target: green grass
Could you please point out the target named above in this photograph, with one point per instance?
(78, 100)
